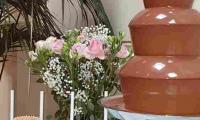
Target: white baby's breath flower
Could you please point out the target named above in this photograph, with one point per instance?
(78, 110)
(81, 96)
(91, 73)
(99, 32)
(57, 77)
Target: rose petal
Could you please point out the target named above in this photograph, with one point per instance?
(123, 53)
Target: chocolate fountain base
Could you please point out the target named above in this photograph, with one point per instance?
(116, 107)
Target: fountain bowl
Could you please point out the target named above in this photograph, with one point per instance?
(116, 108)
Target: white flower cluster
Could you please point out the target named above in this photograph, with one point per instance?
(91, 73)
(78, 110)
(80, 97)
(57, 78)
(99, 32)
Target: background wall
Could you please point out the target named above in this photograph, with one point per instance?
(120, 12)
(15, 77)
(7, 83)
(27, 99)
(72, 14)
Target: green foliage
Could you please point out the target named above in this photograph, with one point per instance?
(40, 63)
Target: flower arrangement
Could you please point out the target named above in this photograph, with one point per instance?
(84, 61)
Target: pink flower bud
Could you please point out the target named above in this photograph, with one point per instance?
(81, 37)
(123, 53)
(78, 48)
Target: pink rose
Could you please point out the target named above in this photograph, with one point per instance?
(123, 53)
(94, 50)
(57, 46)
(78, 48)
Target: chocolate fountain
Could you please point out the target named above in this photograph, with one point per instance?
(162, 80)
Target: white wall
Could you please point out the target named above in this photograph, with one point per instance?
(7, 83)
(15, 76)
(27, 102)
(121, 12)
